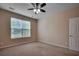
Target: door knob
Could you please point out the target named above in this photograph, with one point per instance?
(70, 35)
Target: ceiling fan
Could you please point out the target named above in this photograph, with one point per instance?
(37, 7)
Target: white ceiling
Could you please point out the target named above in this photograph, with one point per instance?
(51, 8)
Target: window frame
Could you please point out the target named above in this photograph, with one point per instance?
(22, 29)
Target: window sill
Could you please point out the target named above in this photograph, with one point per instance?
(20, 38)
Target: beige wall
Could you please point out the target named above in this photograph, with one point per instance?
(54, 29)
(5, 38)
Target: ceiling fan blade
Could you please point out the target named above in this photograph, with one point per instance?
(43, 4)
(31, 9)
(42, 10)
(33, 4)
(37, 4)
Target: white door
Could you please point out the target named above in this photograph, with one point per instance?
(74, 34)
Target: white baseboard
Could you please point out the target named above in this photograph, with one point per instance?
(54, 45)
(14, 44)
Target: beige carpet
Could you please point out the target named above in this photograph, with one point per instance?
(36, 49)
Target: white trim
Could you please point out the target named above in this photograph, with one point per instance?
(54, 44)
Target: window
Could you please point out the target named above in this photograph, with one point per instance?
(20, 28)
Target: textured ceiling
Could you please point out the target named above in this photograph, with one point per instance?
(51, 8)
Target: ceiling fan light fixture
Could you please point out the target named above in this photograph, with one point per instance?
(37, 11)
